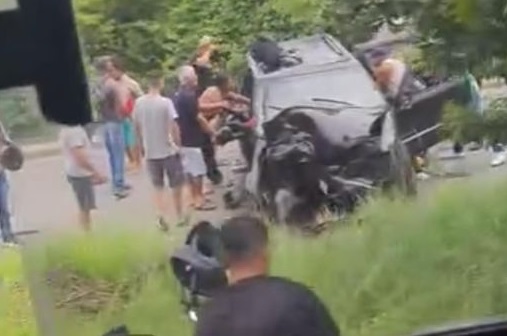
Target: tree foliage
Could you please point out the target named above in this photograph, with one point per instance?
(162, 34)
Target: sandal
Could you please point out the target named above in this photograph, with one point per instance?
(205, 206)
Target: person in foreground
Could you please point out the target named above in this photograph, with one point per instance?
(254, 303)
(159, 138)
(80, 170)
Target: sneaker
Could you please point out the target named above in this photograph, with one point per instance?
(499, 159)
(162, 225)
(121, 194)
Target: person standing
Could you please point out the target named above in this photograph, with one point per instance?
(255, 303)
(212, 103)
(80, 170)
(6, 232)
(129, 91)
(194, 130)
(110, 114)
(202, 64)
(159, 138)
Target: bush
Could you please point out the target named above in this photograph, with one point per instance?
(396, 267)
(463, 125)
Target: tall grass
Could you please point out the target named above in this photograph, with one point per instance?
(396, 267)
(16, 312)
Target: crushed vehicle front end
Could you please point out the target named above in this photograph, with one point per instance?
(315, 158)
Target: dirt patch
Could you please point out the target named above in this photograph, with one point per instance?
(86, 296)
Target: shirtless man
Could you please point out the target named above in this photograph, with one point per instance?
(391, 79)
(219, 97)
(212, 104)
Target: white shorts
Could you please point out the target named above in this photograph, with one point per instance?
(193, 161)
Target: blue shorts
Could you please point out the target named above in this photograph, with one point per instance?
(128, 133)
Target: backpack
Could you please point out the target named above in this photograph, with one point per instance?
(474, 93)
(197, 265)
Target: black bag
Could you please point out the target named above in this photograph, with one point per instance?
(197, 265)
(12, 157)
(267, 52)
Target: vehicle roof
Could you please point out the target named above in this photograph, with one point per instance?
(328, 71)
(319, 51)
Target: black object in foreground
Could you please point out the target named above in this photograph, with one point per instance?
(39, 46)
(197, 267)
(123, 331)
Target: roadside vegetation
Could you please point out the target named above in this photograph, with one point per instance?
(395, 267)
(16, 312)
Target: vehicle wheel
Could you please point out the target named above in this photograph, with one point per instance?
(401, 169)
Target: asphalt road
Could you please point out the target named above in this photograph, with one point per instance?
(42, 200)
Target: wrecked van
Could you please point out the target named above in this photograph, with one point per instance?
(324, 137)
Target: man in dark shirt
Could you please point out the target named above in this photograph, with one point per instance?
(194, 130)
(255, 304)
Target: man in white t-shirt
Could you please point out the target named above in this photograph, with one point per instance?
(80, 170)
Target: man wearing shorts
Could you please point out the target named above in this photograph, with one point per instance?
(194, 130)
(159, 137)
(129, 91)
(80, 170)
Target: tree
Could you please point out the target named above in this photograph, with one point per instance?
(163, 34)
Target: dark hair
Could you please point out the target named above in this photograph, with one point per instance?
(242, 237)
(221, 79)
(154, 78)
(117, 63)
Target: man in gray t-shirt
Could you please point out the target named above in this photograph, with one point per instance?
(159, 137)
(80, 170)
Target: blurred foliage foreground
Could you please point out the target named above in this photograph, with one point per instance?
(16, 313)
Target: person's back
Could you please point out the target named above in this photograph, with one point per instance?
(254, 303)
(154, 115)
(266, 306)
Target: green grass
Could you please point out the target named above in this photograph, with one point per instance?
(16, 313)
(395, 268)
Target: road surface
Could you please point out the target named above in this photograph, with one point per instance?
(42, 200)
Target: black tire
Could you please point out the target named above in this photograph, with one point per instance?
(402, 173)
